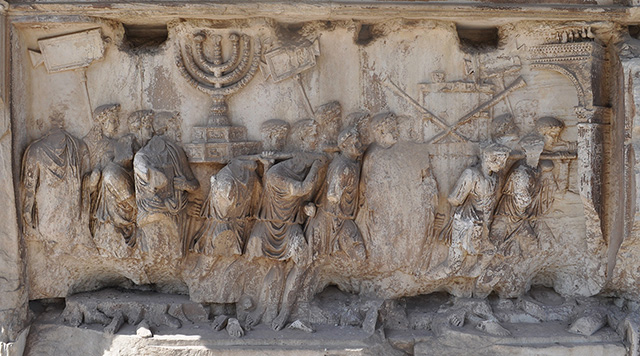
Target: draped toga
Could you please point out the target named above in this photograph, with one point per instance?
(160, 203)
(277, 233)
(229, 210)
(333, 228)
(53, 169)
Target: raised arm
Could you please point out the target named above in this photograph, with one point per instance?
(463, 187)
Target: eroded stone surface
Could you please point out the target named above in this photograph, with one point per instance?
(243, 161)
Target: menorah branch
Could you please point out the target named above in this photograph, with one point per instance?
(219, 78)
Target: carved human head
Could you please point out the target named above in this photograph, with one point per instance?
(385, 129)
(304, 135)
(361, 121)
(504, 130)
(141, 124)
(167, 123)
(329, 118)
(551, 128)
(274, 134)
(532, 144)
(107, 117)
(494, 157)
(349, 143)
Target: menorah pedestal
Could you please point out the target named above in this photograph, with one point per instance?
(218, 144)
(219, 110)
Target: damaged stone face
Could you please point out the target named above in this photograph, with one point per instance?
(313, 169)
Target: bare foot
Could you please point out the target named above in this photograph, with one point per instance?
(457, 318)
(253, 319)
(278, 322)
(220, 322)
(234, 329)
(301, 325)
(492, 327)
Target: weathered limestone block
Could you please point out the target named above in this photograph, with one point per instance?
(440, 160)
(13, 285)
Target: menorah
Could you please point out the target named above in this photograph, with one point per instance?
(215, 76)
(218, 140)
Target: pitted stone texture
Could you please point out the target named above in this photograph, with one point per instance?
(133, 307)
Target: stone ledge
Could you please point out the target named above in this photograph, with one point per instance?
(50, 336)
(199, 339)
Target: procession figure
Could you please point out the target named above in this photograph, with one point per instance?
(383, 130)
(54, 178)
(551, 128)
(163, 180)
(329, 118)
(101, 139)
(288, 188)
(113, 196)
(229, 209)
(274, 135)
(514, 222)
(519, 231)
(288, 185)
(559, 153)
(332, 229)
(140, 127)
(473, 199)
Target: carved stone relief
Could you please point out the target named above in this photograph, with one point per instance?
(368, 180)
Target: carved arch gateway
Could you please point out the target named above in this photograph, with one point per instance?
(583, 63)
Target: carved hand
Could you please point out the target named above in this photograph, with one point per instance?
(181, 183)
(268, 154)
(194, 208)
(310, 210)
(94, 179)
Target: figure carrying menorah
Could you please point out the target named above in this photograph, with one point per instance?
(218, 141)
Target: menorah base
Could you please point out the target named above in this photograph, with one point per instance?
(218, 121)
(219, 152)
(219, 133)
(218, 144)
(219, 110)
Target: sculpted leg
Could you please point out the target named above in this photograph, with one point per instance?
(291, 288)
(269, 282)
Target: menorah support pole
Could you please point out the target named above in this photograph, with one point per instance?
(219, 110)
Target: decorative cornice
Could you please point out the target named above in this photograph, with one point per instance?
(331, 10)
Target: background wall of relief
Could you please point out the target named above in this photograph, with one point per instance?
(358, 65)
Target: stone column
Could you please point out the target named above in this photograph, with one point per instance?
(590, 171)
(583, 64)
(13, 288)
